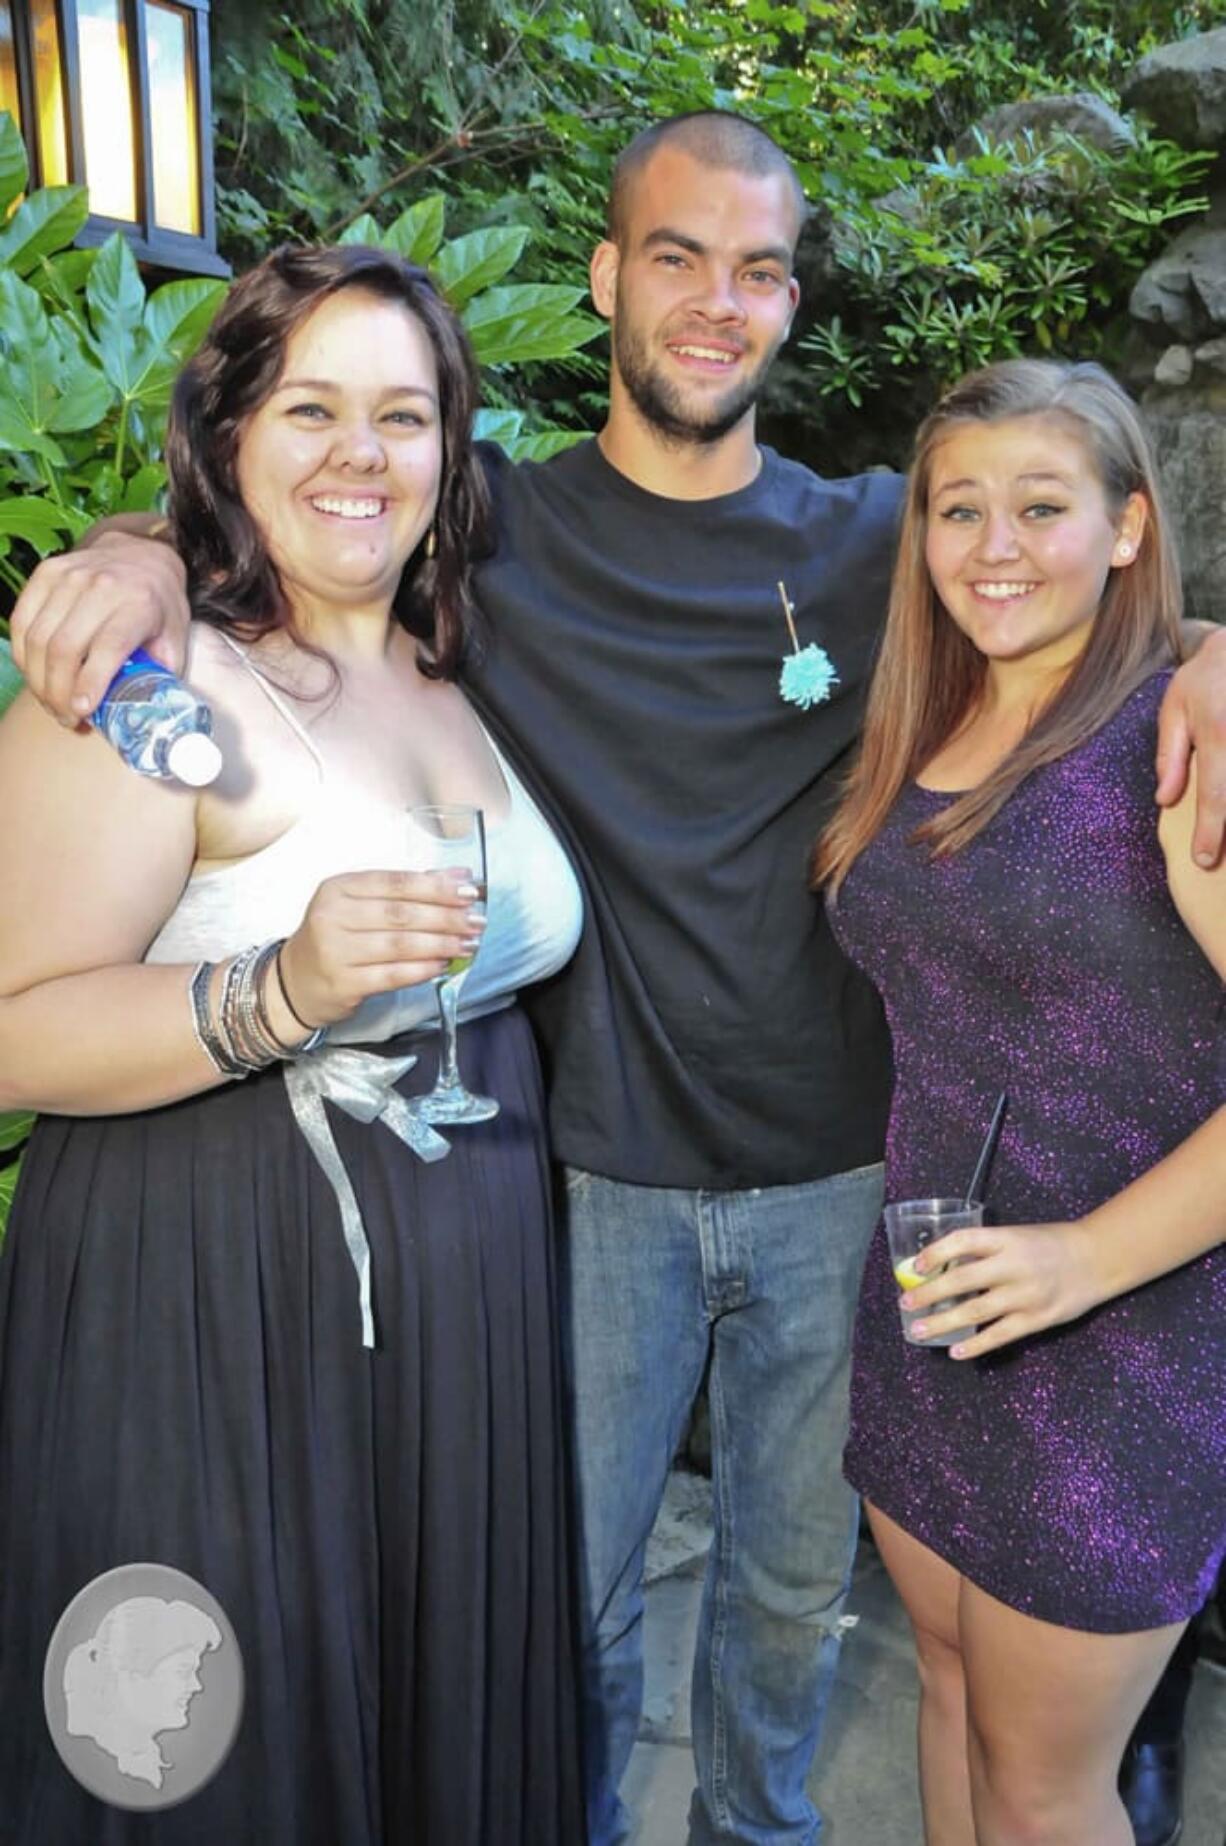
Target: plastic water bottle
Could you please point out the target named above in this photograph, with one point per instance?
(157, 724)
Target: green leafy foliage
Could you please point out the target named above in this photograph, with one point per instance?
(1029, 249)
(511, 111)
(510, 324)
(87, 361)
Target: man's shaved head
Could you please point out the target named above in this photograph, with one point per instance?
(715, 139)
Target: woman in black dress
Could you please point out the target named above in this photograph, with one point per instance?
(184, 1378)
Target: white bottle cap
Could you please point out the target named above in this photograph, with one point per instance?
(194, 759)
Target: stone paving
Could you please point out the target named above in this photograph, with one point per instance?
(864, 1781)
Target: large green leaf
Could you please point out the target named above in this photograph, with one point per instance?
(500, 426)
(23, 319)
(528, 321)
(143, 363)
(538, 340)
(144, 491)
(540, 444)
(506, 428)
(151, 391)
(114, 290)
(42, 525)
(84, 399)
(418, 232)
(29, 379)
(14, 166)
(178, 315)
(18, 433)
(46, 221)
(548, 299)
(116, 298)
(363, 230)
(11, 683)
(469, 264)
(60, 280)
(15, 1126)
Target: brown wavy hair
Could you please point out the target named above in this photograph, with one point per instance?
(232, 581)
(929, 677)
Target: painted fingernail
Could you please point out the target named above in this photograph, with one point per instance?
(476, 918)
(466, 891)
(1205, 859)
(919, 1329)
(957, 1352)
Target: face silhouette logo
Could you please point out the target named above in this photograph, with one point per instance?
(135, 1676)
(125, 1672)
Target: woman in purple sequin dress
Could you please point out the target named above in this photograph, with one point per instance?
(1050, 1500)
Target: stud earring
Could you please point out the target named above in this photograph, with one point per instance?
(431, 542)
(1124, 549)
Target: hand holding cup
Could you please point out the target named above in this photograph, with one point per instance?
(1021, 1278)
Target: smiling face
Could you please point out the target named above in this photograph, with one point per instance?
(700, 292)
(1020, 537)
(340, 467)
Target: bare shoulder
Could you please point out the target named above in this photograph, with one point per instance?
(58, 770)
(94, 854)
(214, 663)
(1199, 893)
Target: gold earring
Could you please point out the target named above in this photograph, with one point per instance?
(431, 542)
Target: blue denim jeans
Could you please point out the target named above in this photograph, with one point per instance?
(763, 1283)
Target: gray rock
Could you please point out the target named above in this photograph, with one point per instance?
(1185, 289)
(1174, 367)
(1188, 427)
(1182, 89)
(1211, 357)
(1080, 113)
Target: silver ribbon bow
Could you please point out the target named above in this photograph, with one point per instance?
(362, 1084)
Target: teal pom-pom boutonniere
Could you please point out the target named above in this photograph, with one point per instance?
(807, 675)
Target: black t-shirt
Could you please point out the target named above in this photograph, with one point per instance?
(708, 1033)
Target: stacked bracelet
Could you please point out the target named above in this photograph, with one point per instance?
(240, 1036)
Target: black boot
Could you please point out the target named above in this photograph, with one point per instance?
(1151, 1785)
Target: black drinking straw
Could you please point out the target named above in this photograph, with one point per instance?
(979, 1176)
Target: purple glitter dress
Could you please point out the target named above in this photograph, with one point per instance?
(1079, 1476)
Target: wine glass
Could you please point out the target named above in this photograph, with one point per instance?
(440, 836)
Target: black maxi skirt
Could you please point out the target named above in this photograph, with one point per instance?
(182, 1381)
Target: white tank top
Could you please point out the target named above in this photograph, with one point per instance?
(534, 913)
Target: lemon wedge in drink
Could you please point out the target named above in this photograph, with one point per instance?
(907, 1276)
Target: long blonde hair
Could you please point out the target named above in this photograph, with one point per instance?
(929, 676)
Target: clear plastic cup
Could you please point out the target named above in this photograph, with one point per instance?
(910, 1226)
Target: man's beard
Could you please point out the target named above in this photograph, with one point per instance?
(662, 404)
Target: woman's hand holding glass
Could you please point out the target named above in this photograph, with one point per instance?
(1013, 1280)
(367, 933)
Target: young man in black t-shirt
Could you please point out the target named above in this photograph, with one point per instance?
(718, 1073)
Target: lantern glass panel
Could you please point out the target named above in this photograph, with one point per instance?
(106, 109)
(173, 117)
(49, 89)
(10, 95)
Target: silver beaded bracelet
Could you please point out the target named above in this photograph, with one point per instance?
(240, 1038)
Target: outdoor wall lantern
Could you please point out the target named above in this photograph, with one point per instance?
(114, 95)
